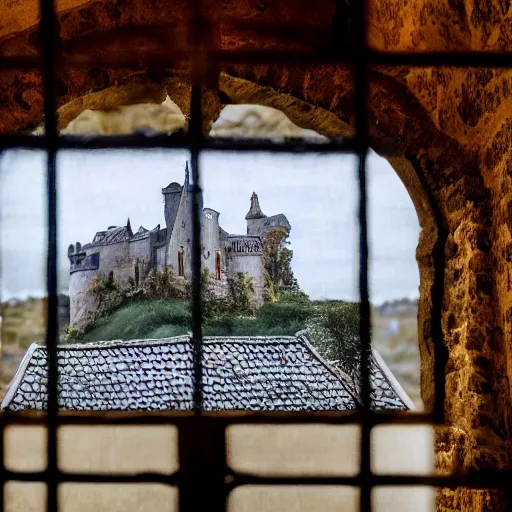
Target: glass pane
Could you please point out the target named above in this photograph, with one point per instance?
(279, 247)
(252, 498)
(25, 497)
(394, 276)
(405, 499)
(22, 256)
(122, 497)
(294, 450)
(121, 449)
(114, 211)
(403, 449)
(25, 448)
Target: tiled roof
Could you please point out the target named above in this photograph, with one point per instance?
(257, 373)
(112, 236)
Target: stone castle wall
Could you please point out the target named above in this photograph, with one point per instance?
(181, 236)
(121, 259)
(210, 240)
(131, 259)
(252, 265)
(81, 301)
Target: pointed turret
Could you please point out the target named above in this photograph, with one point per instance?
(129, 227)
(172, 196)
(255, 210)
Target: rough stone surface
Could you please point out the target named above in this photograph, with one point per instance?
(450, 125)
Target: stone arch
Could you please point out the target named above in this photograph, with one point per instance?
(452, 132)
(436, 243)
(233, 90)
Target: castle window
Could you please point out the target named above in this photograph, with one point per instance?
(181, 262)
(217, 266)
(136, 271)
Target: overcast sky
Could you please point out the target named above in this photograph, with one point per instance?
(317, 193)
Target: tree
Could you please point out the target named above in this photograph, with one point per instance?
(335, 330)
(241, 293)
(277, 263)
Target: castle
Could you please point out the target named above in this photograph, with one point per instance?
(130, 256)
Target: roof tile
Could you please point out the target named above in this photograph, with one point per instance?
(238, 373)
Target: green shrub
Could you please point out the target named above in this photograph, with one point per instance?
(241, 294)
(139, 319)
(223, 326)
(70, 334)
(334, 329)
(269, 291)
(163, 285)
(294, 297)
(277, 260)
(281, 313)
(168, 331)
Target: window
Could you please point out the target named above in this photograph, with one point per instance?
(217, 266)
(181, 262)
(206, 482)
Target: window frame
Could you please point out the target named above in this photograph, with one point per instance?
(202, 436)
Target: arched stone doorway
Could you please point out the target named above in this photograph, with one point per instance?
(451, 133)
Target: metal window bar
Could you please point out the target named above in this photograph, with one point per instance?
(202, 435)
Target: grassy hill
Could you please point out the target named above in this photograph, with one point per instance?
(165, 318)
(394, 329)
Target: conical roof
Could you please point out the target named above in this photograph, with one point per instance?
(255, 210)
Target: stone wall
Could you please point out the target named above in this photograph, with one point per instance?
(181, 236)
(252, 265)
(210, 240)
(121, 259)
(449, 129)
(81, 301)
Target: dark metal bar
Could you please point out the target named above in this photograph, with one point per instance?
(197, 316)
(360, 89)
(483, 480)
(48, 39)
(202, 454)
(477, 480)
(223, 418)
(3, 474)
(414, 59)
(2, 424)
(180, 141)
(100, 478)
(375, 58)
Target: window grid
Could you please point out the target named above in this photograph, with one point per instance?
(204, 479)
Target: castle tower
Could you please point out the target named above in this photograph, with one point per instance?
(172, 197)
(254, 214)
(255, 210)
